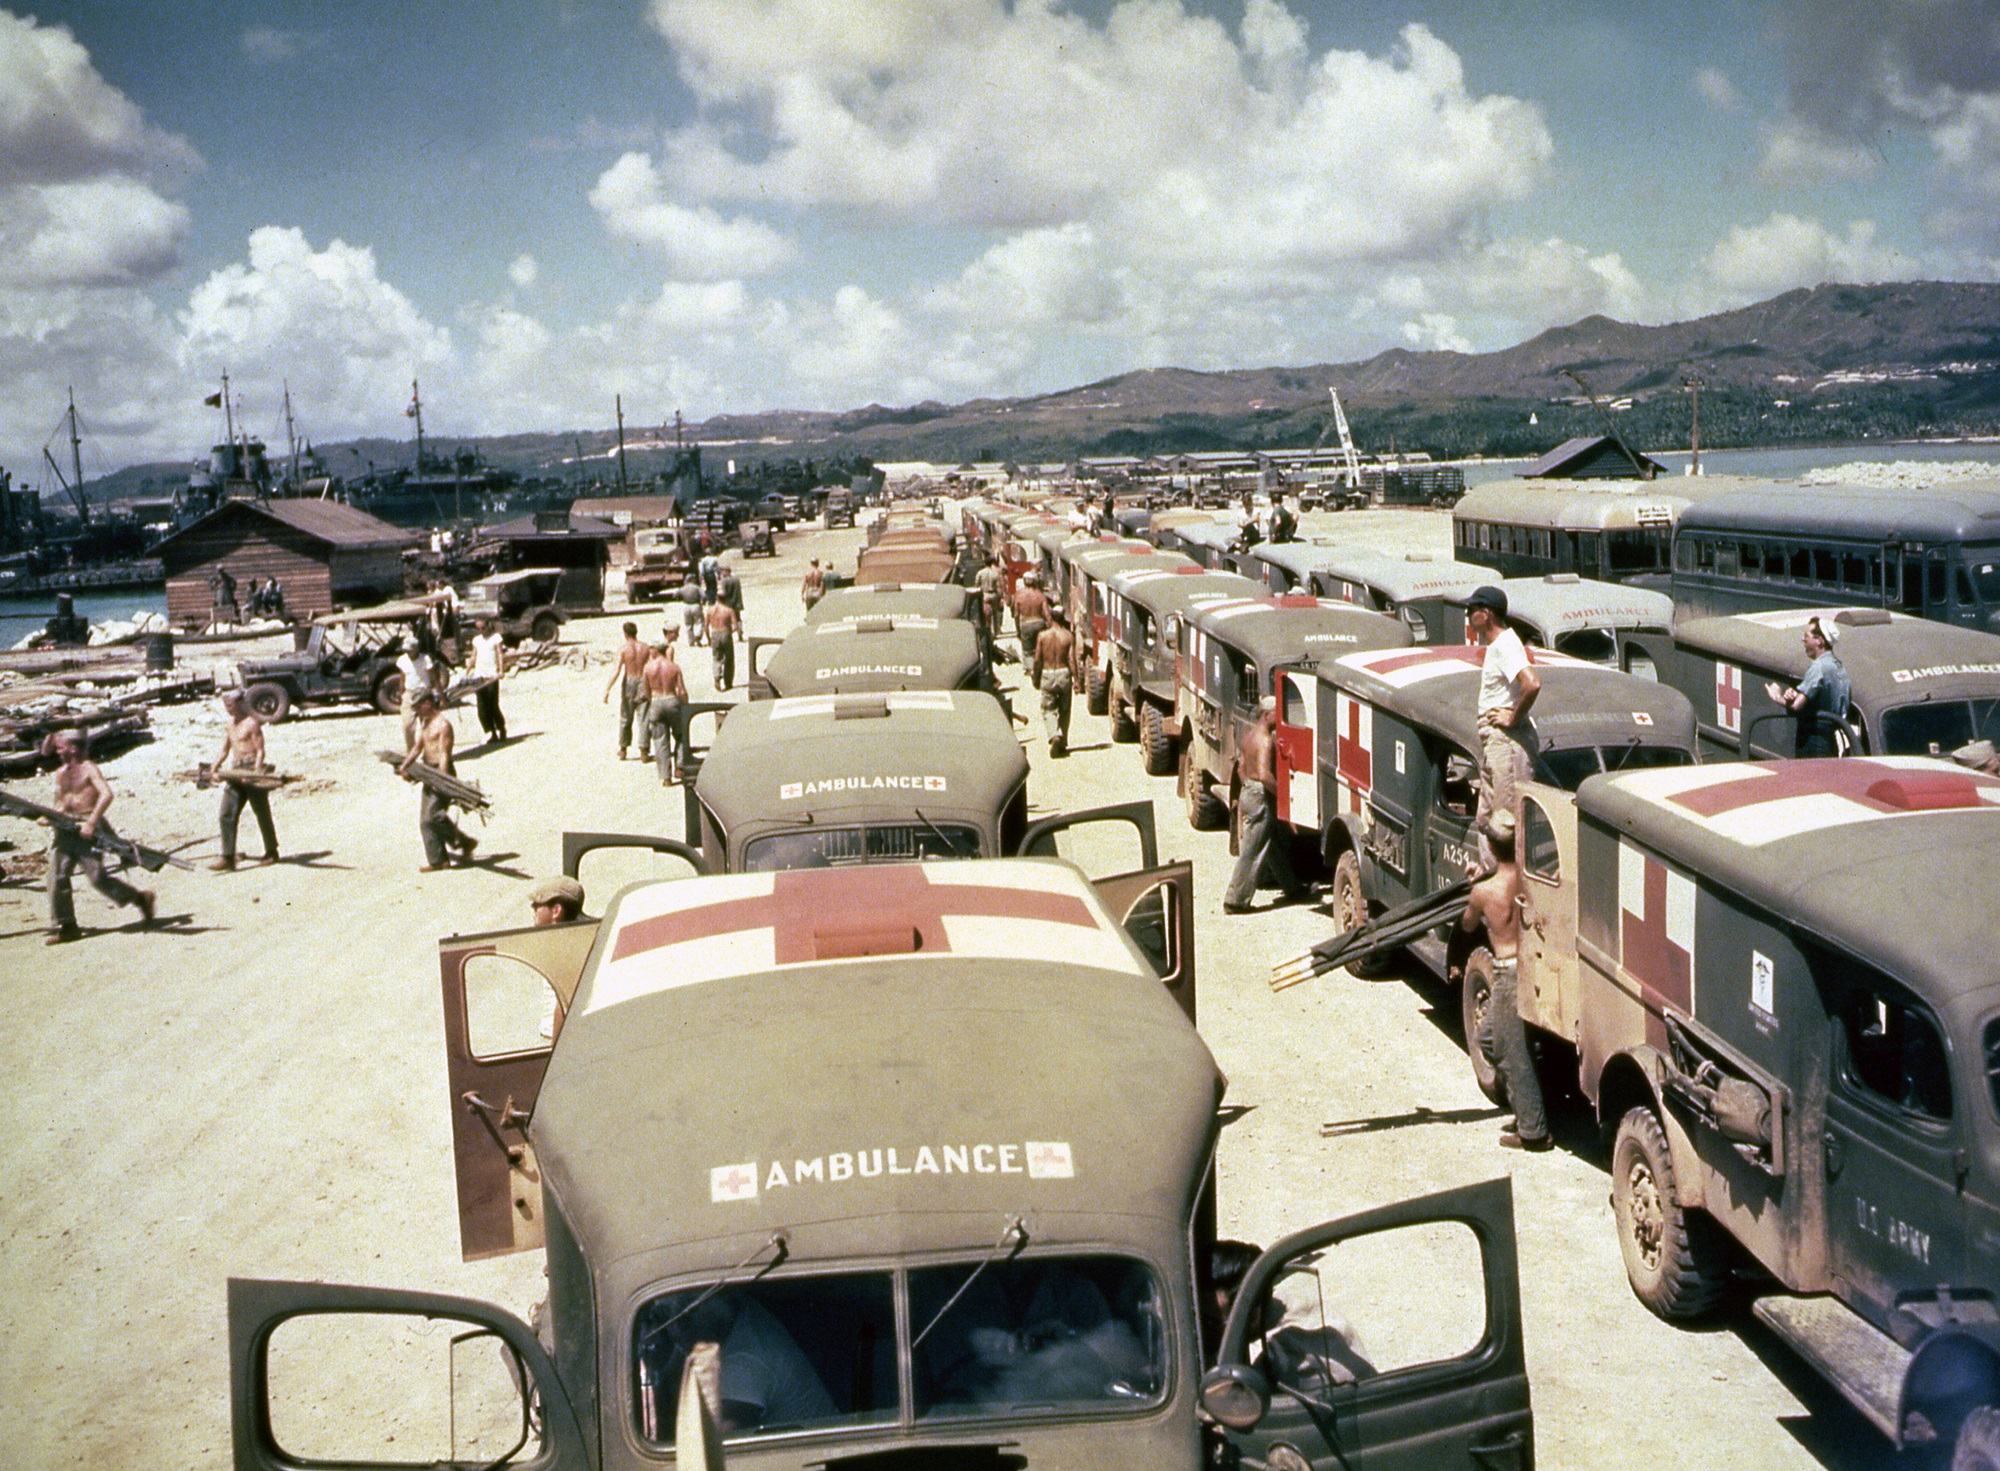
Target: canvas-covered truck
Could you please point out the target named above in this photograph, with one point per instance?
(1778, 984)
(1916, 686)
(1377, 754)
(868, 654)
(1236, 652)
(941, 1205)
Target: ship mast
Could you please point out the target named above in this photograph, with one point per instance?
(292, 438)
(618, 401)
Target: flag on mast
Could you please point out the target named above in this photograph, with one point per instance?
(213, 401)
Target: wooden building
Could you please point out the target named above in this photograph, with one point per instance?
(325, 555)
(1593, 457)
(579, 545)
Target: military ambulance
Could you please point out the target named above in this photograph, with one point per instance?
(1778, 982)
(1087, 603)
(1378, 754)
(1143, 605)
(1428, 593)
(893, 600)
(1581, 616)
(865, 654)
(1918, 687)
(1216, 545)
(1163, 529)
(1235, 652)
(917, 1154)
(1288, 566)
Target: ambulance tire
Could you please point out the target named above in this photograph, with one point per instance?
(1350, 910)
(1124, 723)
(1161, 757)
(1206, 812)
(1475, 994)
(1978, 1445)
(1096, 692)
(1673, 1255)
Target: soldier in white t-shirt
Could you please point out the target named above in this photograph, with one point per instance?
(1508, 685)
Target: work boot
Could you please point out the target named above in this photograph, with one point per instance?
(68, 934)
(1511, 1140)
(224, 864)
(146, 901)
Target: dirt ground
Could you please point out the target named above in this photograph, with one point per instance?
(256, 1088)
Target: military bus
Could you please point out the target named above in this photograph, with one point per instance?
(910, 1164)
(1785, 1017)
(1915, 687)
(1933, 553)
(1612, 531)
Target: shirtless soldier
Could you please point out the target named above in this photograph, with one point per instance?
(1050, 665)
(666, 713)
(1262, 845)
(631, 668)
(434, 743)
(82, 792)
(1494, 905)
(813, 587)
(243, 750)
(724, 625)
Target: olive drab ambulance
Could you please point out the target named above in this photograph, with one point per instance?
(1581, 616)
(1237, 651)
(1144, 606)
(940, 1205)
(868, 654)
(1087, 600)
(1378, 755)
(1916, 686)
(1786, 1016)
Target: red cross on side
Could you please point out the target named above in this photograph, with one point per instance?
(1873, 785)
(1663, 968)
(1729, 697)
(888, 897)
(735, 1182)
(1354, 761)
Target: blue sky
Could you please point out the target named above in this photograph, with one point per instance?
(731, 205)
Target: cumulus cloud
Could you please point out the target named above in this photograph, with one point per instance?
(1797, 152)
(1753, 262)
(697, 244)
(104, 232)
(1714, 87)
(270, 46)
(1857, 67)
(522, 271)
(62, 123)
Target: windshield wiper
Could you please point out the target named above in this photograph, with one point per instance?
(1010, 1245)
(779, 1246)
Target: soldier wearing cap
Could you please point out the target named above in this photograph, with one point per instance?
(1979, 756)
(435, 739)
(1818, 701)
(556, 900)
(1508, 685)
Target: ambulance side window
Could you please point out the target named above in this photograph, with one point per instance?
(1294, 712)
(1893, 1047)
(1990, 1045)
(1539, 855)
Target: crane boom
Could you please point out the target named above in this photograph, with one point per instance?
(1347, 450)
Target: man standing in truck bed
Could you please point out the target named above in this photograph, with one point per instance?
(1508, 685)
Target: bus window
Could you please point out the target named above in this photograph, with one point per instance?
(1634, 551)
(1985, 569)
(1774, 560)
(1725, 559)
(1826, 568)
(1854, 572)
(1799, 565)
(1589, 557)
(1687, 551)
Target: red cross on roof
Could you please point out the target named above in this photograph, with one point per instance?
(1872, 784)
(888, 897)
(1428, 654)
(1044, 1156)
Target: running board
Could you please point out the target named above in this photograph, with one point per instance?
(1865, 1364)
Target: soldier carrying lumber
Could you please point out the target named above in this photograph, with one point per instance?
(82, 794)
(243, 751)
(433, 749)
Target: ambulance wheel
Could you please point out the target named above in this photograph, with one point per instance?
(1350, 910)
(1673, 1256)
(1124, 723)
(1096, 692)
(269, 702)
(1157, 744)
(1978, 1446)
(389, 692)
(1205, 811)
(1475, 995)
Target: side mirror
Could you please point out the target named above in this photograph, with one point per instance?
(1235, 1395)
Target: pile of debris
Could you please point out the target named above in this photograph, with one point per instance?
(109, 727)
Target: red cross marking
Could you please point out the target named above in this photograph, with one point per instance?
(1353, 759)
(1661, 966)
(1729, 697)
(1429, 654)
(1870, 783)
(736, 1181)
(1049, 1156)
(887, 897)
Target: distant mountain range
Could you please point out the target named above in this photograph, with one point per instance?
(1832, 364)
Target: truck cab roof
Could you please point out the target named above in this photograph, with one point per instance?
(662, 1160)
(1582, 615)
(892, 600)
(887, 653)
(933, 766)
(1292, 627)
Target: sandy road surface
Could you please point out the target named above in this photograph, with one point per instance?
(257, 1088)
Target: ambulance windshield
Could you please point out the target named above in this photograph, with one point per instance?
(835, 847)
